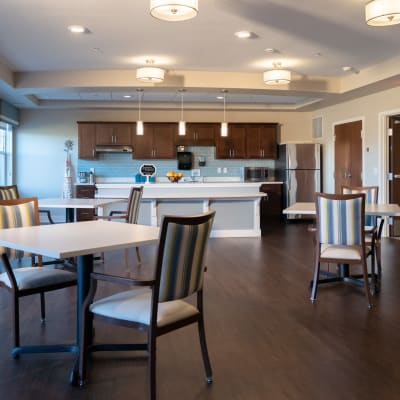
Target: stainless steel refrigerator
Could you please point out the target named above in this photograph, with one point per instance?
(299, 168)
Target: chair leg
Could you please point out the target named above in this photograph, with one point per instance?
(42, 307)
(315, 281)
(152, 367)
(204, 351)
(83, 350)
(16, 321)
(378, 259)
(366, 283)
(139, 259)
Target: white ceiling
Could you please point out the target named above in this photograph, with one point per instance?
(44, 65)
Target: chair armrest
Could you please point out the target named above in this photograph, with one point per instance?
(109, 217)
(121, 280)
(117, 212)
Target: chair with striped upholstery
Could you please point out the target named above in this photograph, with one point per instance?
(25, 281)
(340, 237)
(373, 224)
(11, 192)
(130, 216)
(159, 307)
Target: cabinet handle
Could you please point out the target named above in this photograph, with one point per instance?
(233, 152)
(94, 152)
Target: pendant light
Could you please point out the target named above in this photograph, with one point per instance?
(139, 122)
(174, 10)
(182, 123)
(382, 12)
(277, 76)
(224, 124)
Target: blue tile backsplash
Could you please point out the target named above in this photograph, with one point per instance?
(114, 165)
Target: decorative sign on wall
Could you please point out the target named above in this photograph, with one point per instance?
(148, 170)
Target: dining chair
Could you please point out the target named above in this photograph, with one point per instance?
(340, 237)
(130, 215)
(373, 224)
(159, 305)
(35, 279)
(11, 192)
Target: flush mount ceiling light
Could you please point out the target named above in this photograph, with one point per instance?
(78, 29)
(382, 12)
(224, 124)
(139, 122)
(182, 123)
(150, 73)
(174, 10)
(277, 76)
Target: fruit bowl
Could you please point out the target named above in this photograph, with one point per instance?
(174, 176)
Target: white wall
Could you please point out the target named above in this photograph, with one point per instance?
(372, 110)
(39, 144)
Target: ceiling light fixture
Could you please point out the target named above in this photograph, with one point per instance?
(174, 10)
(78, 29)
(182, 123)
(382, 12)
(277, 76)
(243, 34)
(150, 73)
(224, 124)
(139, 122)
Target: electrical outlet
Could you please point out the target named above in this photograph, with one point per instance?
(219, 170)
(225, 170)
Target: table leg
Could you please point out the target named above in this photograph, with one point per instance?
(69, 215)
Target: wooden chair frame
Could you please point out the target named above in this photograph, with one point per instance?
(153, 331)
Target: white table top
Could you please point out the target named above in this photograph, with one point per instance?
(384, 210)
(76, 203)
(81, 238)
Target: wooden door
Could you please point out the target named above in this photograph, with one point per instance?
(237, 132)
(204, 133)
(348, 155)
(269, 141)
(163, 139)
(86, 141)
(253, 138)
(113, 133)
(143, 144)
(394, 170)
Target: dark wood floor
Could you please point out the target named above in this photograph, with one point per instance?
(266, 339)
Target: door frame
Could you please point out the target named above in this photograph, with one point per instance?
(346, 121)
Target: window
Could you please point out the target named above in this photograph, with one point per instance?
(6, 161)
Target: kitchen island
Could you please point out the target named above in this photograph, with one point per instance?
(237, 204)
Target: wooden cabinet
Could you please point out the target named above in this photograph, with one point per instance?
(198, 134)
(85, 192)
(158, 141)
(234, 145)
(271, 206)
(86, 141)
(261, 141)
(113, 133)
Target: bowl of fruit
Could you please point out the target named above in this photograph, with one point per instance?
(174, 176)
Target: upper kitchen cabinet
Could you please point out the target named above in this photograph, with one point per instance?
(198, 134)
(158, 141)
(86, 140)
(111, 133)
(261, 141)
(233, 145)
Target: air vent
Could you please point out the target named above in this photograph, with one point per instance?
(317, 127)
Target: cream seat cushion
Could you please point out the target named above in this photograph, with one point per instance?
(337, 251)
(35, 277)
(134, 305)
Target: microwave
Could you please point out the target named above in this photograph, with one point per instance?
(255, 174)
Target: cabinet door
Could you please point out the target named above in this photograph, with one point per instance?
(113, 133)
(86, 141)
(204, 134)
(85, 192)
(143, 145)
(253, 145)
(223, 146)
(164, 140)
(237, 132)
(268, 141)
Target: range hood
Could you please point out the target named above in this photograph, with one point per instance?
(113, 149)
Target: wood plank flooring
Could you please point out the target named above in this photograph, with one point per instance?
(266, 339)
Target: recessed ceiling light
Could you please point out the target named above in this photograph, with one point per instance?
(220, 97)
(271, 50)
(78, 29)
(244, 34)
(127, 96)
(350, 69)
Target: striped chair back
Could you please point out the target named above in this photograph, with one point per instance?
(371, 197)
(340, 219)
(18, 213)
(9, 192)
(181, 258)
(135, 197)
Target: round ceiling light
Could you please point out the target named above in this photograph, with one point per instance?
(382, 12)
(277, 77)
(174, 10)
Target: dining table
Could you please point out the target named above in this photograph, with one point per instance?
(81, 240)
(71, 204)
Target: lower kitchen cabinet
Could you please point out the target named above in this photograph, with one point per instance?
(271, 206)
(85, 192)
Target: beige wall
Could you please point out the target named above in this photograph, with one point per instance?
(373, 111)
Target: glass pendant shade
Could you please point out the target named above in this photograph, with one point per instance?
(174, 10)
(182, 128)
(382, 12)
(139, 128)
(224, 129)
